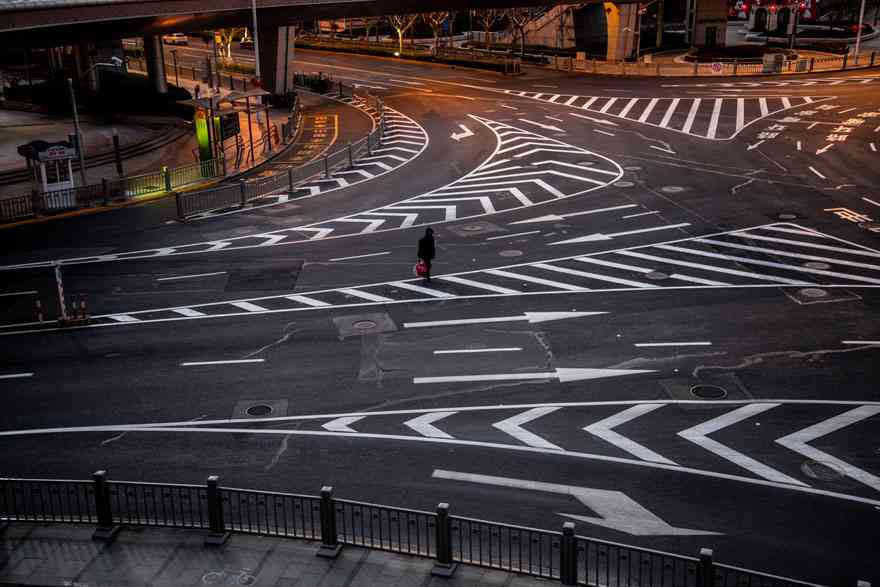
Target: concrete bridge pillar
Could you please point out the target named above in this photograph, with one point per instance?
(154, 55)
(276, 58)
(621, 21)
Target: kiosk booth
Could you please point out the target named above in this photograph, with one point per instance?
(51, 173)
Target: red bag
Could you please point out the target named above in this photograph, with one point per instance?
(420, 269)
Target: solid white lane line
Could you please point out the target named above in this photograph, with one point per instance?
(307, 301)
(422, 290)
(669, 112)
(529, 278)
(229, 362)
(356, 293)
(628, 107)
(648, 109)
(814, 170)
(748, 261)
(513, 427)
(503, 236)
(798, 442)
(869, 200)
(471, 351)
(845, 110)
(641, 214)
(361, 256)
(662, 344)
(19, 293)
(604, 430)
(699, 436)
(16, 375)
(787, 254)
(248, 306)
(800, 231)
(713, 122)
(689, 121)
(188, 312)
(424, 424)
(193, 276)
(604, 132)
(805, 244)
(757, 276)
(478, 284)
(593, 275)
(859, 342)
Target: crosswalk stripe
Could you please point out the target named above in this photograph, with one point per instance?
(604, 430)
(408, 219)
(364, 295)
(589, 103)
(772, 239)
(248, 306)
(689, 121)
(450, 210)
(786, 103)
(712, 268)
(478, 284)
(801, 232)
(787, 254)
(740, 113)
(571, 100)
(669, 112)
(123, 318)
(574, 166)
(648, 109)
(485, 201)
(422, 290)
(713, 123)
(748, 261)
(628, 107)
(307, 301)
(547, 282)
(699, 436)
(699, 280)
(607, 105)
(612, 264)
(762, 102)
(596, 276)
(188, 312)
(553, 98)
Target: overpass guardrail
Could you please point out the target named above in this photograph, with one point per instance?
(448, 539)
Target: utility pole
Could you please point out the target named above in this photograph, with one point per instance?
(80, 142)
(660, 23)
(256, 41)
(859, 34)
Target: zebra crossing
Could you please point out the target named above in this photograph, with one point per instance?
(774, 255)
(808, 82)
(706, 118)
(526, 169)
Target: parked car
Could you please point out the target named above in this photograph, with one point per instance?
(246, 43)
(175, 39)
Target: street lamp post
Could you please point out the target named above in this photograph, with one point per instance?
(80, 147)
(859, 33)
(256, 40)
(176, 71)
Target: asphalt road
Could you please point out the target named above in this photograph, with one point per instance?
(607, 248)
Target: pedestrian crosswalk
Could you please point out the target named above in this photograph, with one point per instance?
(775, 255)
(707, 118)
(782, 83)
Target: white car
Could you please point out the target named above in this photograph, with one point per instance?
(175, 39)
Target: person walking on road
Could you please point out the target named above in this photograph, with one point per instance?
(426, 251)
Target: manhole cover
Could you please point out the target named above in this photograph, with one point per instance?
(787, 216)
(259, 410)
(624, 184)
(633, 168)
(822, 471)
(510, 253)
(472, 227)
(817, 265)
(656, 275)
(708, 391)
(364, 324)
(813, 292)
(672, 189)
(586, 163)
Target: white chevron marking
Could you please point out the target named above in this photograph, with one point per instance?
(342, 424)
(603, 429)
(513, 427)
(424, 424)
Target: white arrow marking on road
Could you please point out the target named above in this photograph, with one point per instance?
(670, 151)
(513, 427)
(755, 146)
(530, 317)
(563, 375)
(424, 424)
(798, 442)
(544, 126)
(596, 120)
(824, 149)
(698, 435)
(603, 429)
(319, 232)
(558, 217)
(615, 509)
(604, 237)
(466, 132)
(342, 424)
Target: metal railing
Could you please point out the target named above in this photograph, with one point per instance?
(449, 540)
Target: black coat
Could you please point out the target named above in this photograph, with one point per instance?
(426, 248)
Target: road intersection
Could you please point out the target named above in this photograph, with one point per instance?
(652, 313)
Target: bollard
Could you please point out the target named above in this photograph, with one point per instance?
(444, 567)
(696, 68)
(194, 72)
(594, 65)
(350, 157)
(179, 202)
(330, 545)
(105, 531)
(217, 534)
(84, 308)
(243, 187)
(812, 63)
(568, 555)
(326, 167)
(658, 69)
(290, 179)
(39, 310)
(622, 67)
(231, 82)
(341, 93)
(873, 54)
(105, 191)
(845, 59)
(707, 569)
(735, 65)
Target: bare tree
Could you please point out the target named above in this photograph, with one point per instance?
(519, 19)
(489, 17)
(225, 38)
(435, 20)
(401, 23)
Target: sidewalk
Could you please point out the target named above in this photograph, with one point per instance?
(34, 554)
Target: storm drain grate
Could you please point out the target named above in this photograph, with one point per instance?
(709, 391)
(259, 410)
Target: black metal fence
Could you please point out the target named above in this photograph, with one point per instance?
(449, 540)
